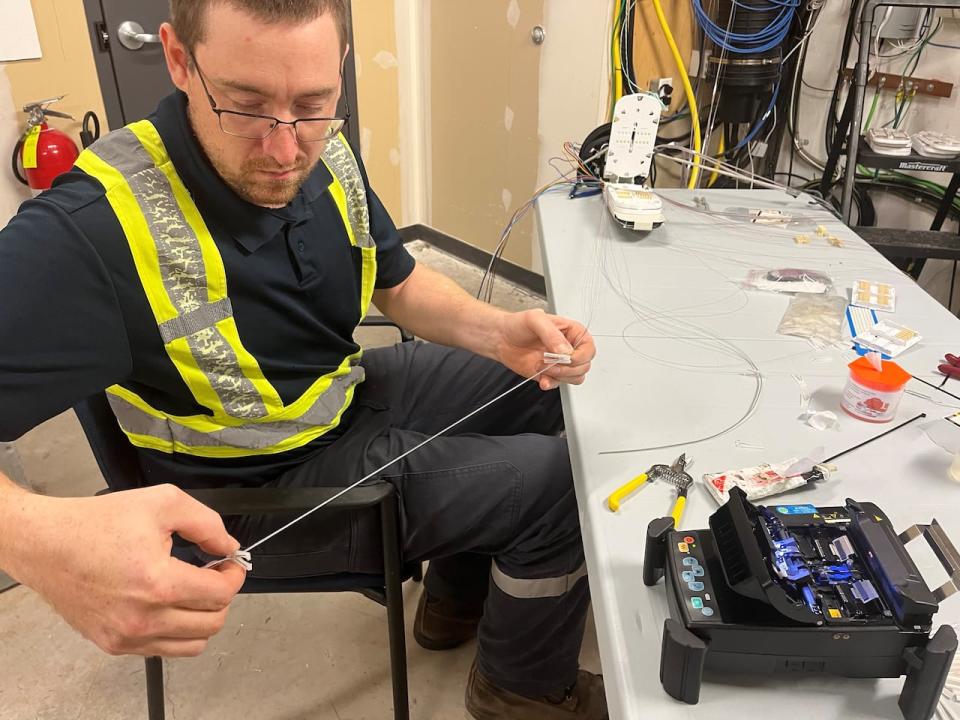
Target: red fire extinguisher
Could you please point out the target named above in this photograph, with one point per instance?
(43, 152)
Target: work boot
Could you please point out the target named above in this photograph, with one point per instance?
(445, 624)
(584, 701)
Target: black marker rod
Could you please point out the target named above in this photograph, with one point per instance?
(875, 437)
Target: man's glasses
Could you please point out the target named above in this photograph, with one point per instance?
(258, 127)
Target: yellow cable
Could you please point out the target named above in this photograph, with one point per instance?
(721, 146)
(617, 69)
(687, 89)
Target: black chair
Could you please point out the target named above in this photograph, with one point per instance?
(118, 463)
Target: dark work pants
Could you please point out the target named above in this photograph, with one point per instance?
(491, 505)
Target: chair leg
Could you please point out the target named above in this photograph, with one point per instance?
(154, 672)
(392, 578)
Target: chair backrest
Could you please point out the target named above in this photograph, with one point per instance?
(114, 453)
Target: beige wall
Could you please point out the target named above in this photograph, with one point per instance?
(12, 193)
(484, 79)
(378, 88)
(66, 67)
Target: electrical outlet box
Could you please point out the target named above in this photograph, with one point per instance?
(663, 89)
(903, 23)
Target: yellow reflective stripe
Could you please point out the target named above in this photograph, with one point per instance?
(152, 443)
(195, 379)
(216, 273)
(339, 196)
(251, 368)
(368, 278)
(200, 423)
(199, 382)
(219, 341)
(299, 406)
(134, 224)
(216, 279)
(150, 139)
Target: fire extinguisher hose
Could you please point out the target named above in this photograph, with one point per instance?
(15, 162)
(90, 129)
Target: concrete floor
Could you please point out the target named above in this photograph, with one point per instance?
(280, 657)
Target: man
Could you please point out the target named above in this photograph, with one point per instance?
(207, 267)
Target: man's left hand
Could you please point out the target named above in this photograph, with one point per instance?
(527, 335)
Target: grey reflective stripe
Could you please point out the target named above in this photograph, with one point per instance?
(251, 436)
(182, 271)
(181, 261)
(343, 165)
(529, 589)
(196, 320)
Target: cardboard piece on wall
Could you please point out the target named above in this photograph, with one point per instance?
(18, 32)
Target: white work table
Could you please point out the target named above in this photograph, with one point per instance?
(641, 393)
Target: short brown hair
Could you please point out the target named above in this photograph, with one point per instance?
(188, 17)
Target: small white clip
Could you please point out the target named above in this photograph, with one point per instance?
(556, 358)
(240, 557)
(243, 559)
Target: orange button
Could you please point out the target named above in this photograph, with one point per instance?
(683, 547)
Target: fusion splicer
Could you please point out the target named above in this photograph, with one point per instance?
(801, 589)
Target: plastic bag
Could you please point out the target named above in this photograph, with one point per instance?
(819, 317)
(764, 480)
(789, 280)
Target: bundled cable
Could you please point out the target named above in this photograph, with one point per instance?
(766, 38)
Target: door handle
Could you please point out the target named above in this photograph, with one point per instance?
(132, 36)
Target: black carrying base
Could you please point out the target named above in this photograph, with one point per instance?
(684, 654)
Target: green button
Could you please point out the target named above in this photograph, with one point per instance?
(697, 602)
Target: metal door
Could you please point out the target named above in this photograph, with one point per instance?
(132, 71)
(133, 74)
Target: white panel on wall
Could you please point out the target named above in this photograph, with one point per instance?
(18, 32)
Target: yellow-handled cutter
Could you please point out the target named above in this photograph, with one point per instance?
(618, 495)
(674, 474)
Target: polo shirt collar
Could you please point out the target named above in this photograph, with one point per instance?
(252, 226)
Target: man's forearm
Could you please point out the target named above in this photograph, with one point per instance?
(435, 308)
(13, 507)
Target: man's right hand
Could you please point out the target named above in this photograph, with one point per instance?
(104, 564)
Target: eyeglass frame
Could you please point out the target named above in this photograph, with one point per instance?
(219, 112)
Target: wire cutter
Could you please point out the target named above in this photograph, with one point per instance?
(674, 474)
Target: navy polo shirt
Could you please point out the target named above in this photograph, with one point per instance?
(74, 318)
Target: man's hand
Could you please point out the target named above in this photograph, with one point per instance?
(104, 564)
(525, 336)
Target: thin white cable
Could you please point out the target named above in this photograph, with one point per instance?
(762, 182)
(883, 24)
(392, 462)
(794, 93)
(812, 23)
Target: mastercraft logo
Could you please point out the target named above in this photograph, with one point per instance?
(932, 167)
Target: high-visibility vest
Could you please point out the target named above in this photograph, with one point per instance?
(185, 282)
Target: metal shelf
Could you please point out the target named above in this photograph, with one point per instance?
(872, 159)
(856, 153)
